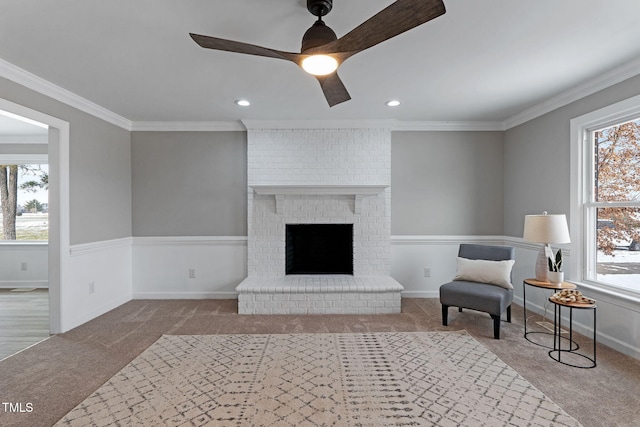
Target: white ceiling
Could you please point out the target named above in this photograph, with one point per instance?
(12, 126)
(482, 61)
(14, 130)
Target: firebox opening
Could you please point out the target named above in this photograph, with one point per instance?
(319, 249)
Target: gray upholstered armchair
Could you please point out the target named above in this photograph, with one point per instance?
(481, 283)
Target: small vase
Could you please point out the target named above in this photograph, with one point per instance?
(555, 277)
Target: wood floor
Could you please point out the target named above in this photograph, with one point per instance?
(24, 319)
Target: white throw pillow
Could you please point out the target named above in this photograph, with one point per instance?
(483, 271)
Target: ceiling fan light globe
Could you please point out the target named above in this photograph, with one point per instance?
(319, 65)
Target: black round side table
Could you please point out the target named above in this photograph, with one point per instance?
(555, 287)
(557, 351)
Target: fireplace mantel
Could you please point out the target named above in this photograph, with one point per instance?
(281, 191)
(287, 190)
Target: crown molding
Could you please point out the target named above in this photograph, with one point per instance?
(220, 126)
(318, 124)
(393, 125)
(40, 85)
(448, 126)
(590, 87)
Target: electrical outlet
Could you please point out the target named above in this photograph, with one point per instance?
(23, 266)
(92, 287)
(192, 273)
(427, 272)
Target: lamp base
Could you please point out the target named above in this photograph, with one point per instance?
(542, 265)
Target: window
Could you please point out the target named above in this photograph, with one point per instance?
(31, 218)
(616, 204)
(605, 216)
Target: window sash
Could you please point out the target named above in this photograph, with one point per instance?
(629, 204)
(583, 208)
(590, 207)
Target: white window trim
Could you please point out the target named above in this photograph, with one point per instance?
(581, 169)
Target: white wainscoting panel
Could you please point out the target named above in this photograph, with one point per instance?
(99, 280)
(618, 318)
(161, 267)
(24, 265)
(158, 267)
(410, 255)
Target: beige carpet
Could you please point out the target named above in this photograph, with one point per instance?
(370, 379)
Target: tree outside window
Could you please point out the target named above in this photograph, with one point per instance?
(24, 201)
(616, 196)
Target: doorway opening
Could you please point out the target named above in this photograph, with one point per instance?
(24, 230)
(57, 143)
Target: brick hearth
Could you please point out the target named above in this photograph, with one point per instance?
(319, 294)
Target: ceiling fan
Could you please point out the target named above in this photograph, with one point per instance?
(322, 51)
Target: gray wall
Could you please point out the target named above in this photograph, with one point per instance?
(195, 183)
(100, 167)
(23, 149)
(536, 153)
(100, 182)
(446, 183)
(460, 183)
(189, 183)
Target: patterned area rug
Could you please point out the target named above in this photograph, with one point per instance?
(375, 379)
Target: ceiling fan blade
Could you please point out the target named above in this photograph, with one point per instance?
(397, 18)
(333, 89)
(209, 42)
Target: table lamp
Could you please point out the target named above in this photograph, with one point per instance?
(545, 229)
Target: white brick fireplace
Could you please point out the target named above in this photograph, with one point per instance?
(319, 176)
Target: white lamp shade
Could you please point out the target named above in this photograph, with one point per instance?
(546, 229)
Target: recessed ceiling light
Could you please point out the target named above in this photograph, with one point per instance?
(392, 103)
(243, 102)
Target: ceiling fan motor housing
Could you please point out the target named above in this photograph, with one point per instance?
(318, 35)
(319, 7)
